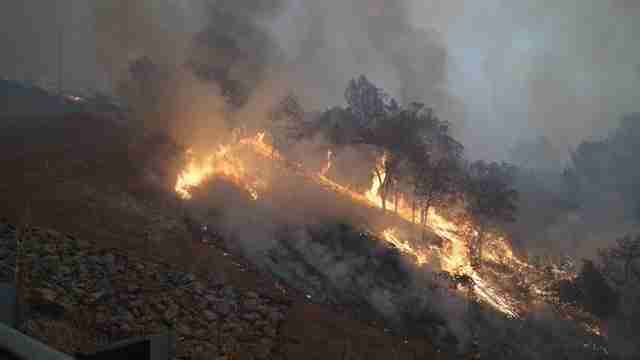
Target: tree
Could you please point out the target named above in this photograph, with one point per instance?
(376, 120)
(368, 103)
(620, 263)
(417, 144)
(590, 291)
(601, 168)
(286, 122)
(437, 164)
(387, 174)
(436, 183)
(489, 197)
(411, 141)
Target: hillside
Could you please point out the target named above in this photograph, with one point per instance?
(76, 175)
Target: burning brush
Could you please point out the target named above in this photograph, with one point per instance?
(488, 285)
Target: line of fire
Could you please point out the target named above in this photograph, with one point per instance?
(237, 162)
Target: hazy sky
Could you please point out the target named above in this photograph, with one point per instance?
(563, 68)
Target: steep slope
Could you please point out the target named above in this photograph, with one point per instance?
(75, 174)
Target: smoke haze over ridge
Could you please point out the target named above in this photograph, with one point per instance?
(566, 69)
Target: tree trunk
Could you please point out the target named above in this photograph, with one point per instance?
(413, 211)
(424, 223)
(428, 205)
(480, 242)
(426, 210)
(476, 257)
(381, 190)
(387, 186)
(395, 205)
(383, 196)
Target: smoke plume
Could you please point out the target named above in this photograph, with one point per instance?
(499, 71)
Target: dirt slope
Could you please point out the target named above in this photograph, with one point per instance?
(75, 174)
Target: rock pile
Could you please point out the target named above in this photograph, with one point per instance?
(125, 296)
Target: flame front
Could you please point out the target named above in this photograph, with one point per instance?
(454, 257)
(193, 175)
(223, 163)
(391, 236)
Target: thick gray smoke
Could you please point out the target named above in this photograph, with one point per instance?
(331, 42)
(566, 69)
(31, 51)
(222, 56)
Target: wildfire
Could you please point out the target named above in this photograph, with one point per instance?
(454, 259)
(193, 175)
(223, 163)
(405, 247)
(378, 178)
(226, 162)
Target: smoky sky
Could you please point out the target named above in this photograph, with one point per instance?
(498, 70)
(564, 69)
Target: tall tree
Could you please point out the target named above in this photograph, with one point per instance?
(489, 197)
(411, 141)
(374, 122)
(368, 103)
(434, 157)
(606, 168)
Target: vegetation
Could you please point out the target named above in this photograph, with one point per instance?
(590, 291)
(420, 156)
(490, 198)
(607, 167)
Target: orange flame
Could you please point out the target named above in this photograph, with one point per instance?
(391, 236)
(454, 257)
(222, 163)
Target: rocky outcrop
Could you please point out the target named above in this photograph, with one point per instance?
(123, 296)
